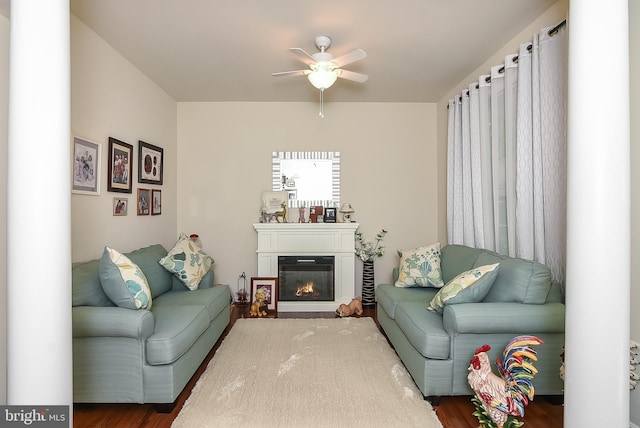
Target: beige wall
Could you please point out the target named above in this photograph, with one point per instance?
(388, 171)
(111, 98)
(4, 106)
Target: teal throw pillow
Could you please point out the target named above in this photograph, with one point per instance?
(187, 262)
(420, 267)
(468, 287)
(123, 281)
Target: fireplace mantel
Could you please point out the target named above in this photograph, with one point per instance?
(320, 239)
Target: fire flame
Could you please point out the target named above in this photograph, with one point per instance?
(306, 289)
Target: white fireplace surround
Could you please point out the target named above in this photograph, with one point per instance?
(318, 239)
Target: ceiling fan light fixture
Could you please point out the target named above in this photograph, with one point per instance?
(322, 76)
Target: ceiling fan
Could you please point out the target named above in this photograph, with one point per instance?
(324, 69)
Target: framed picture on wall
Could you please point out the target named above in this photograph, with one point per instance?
(119, 166)
(156, 202)
(150, 161)
(264, 292)
(86, 167)
(144, 199)
(120, 206)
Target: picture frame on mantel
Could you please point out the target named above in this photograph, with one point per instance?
(150, 163)
(120, 165)
(330, 215)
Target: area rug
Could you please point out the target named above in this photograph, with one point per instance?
(305, 373)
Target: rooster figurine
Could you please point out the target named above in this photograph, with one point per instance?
(504, 397)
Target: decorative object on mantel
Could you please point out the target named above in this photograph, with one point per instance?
(499, 399)
(353, 308)
(282, 213)
(301, 218)
(241, 292)
(346, 210)
(367, 251)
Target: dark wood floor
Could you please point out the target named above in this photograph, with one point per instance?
(453, 412)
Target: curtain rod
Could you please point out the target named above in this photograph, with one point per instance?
(552, 32)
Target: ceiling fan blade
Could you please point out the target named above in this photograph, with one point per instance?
(303, 55)
(352, 56)
(350, 75)
(291, 73)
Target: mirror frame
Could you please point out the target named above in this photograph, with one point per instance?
(276, 175)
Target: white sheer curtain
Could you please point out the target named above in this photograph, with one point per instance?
(506, 167)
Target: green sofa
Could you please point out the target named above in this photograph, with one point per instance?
(124, 355)
(437, 348)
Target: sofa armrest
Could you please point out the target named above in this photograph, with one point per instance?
(111, 321)
(517, 318)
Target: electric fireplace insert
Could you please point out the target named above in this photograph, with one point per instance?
(305, 278)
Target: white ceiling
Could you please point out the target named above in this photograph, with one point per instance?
(208, 50)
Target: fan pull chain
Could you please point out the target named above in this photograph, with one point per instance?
(322, 103)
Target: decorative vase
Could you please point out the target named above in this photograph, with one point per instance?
(368, 287)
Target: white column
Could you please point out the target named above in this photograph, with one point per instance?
(38, 206)
(598, 218)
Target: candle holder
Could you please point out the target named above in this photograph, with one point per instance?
(241, 293)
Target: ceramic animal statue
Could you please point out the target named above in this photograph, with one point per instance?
(354, 307)
(504, 397)
(301, 218)
(259, 307)
(282, 213)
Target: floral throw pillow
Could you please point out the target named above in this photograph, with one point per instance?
(123, 281)
(420, 267)
(187, 262)
(468, 287)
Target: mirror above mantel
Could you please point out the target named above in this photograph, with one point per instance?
(309, 178)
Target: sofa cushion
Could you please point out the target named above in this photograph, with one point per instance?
(205, 282)
(518, 280)
(389, 297)
(215, 299)
(420, 267)
(187, 262)
(86, 287)
(423, 329)
(458, 258)
(468, 287)
(123, 281)
(147, 259)
(176, 329)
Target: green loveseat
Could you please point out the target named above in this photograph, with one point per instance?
(437, 348)
(142, 356)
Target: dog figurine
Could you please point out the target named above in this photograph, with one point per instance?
(353, 308)
(259, 307)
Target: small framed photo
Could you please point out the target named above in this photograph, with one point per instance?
(120, 166)
(330, 215)
(156, 202)
(264, 292)
(150, 161)
(120, 206)
(272, 201)
(86, 167)
(144, 199)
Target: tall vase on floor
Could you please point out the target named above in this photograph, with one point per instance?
(368, 285)
(367, 251)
